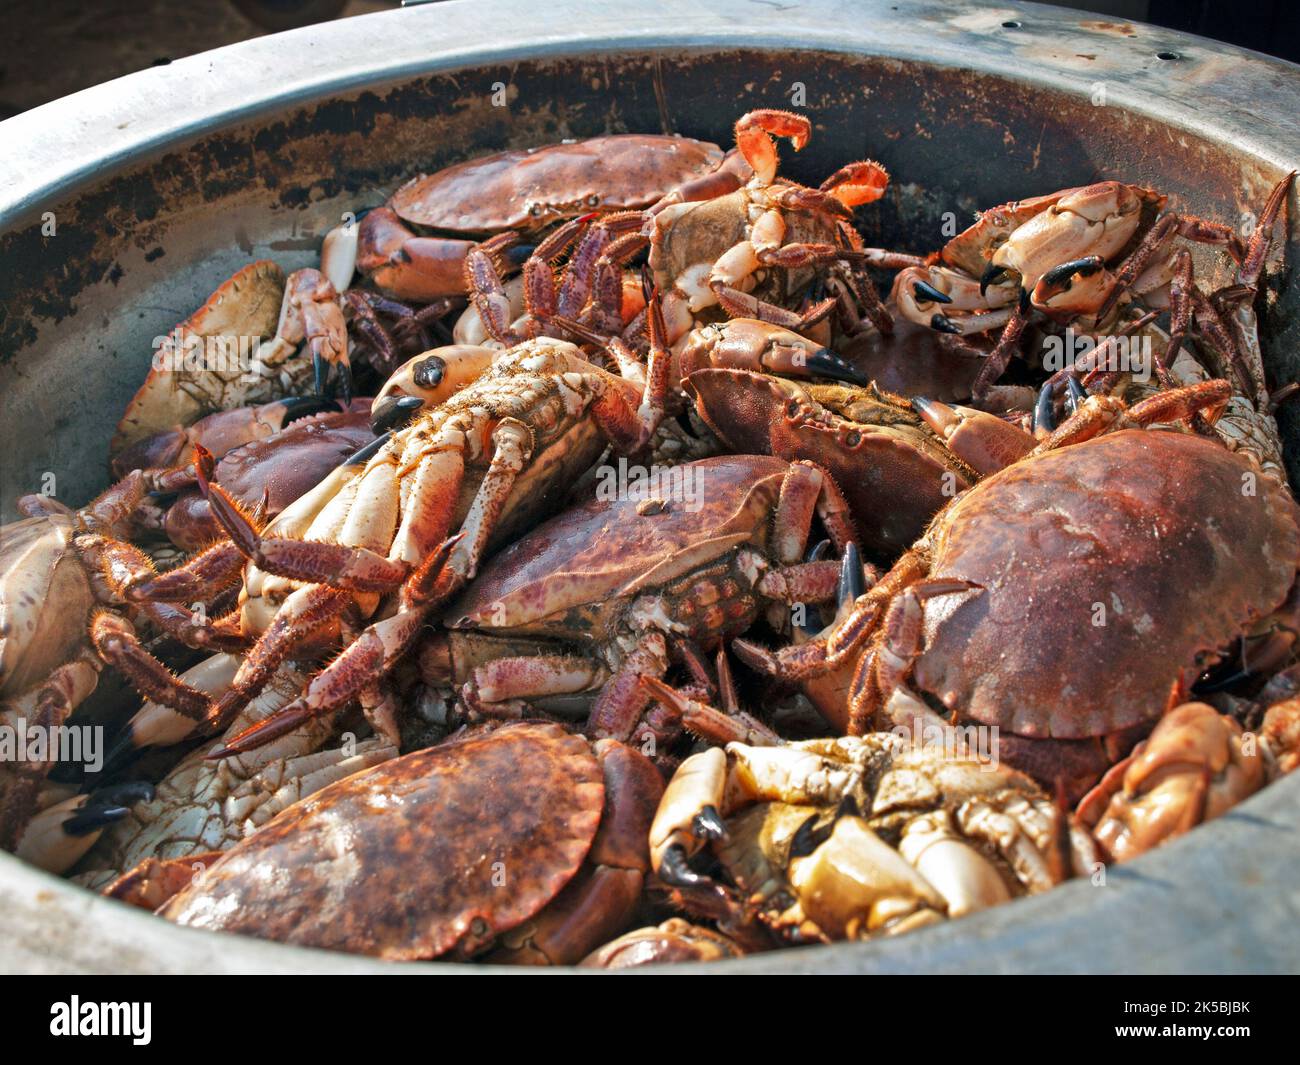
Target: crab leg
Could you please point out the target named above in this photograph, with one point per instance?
(621, 701)
(1157, 242)
(375, 651)
(846, 637)
(116, 642)
(999, 358)
(804, 489)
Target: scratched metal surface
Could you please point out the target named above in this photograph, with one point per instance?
(164, 182)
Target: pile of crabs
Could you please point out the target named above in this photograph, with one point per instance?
(673, 594)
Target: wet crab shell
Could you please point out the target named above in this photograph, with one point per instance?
(1151, 527)
(246, 305)
(526, 188)
(572, 571)
(443, 848)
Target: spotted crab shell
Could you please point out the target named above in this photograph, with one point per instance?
(442, 849)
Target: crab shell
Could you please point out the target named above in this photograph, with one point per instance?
(442, 849)
(1154, 528)
(894, 473)
(283, 467)
(45, 599)
(247, 305)
(573, 574)
(531, 187)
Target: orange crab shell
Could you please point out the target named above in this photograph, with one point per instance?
(530, 187)
(1106, 572)
(592, 557)
(442, 849)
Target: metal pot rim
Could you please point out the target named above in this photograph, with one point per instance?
(1162, 913)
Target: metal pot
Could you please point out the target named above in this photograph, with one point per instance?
(121, 207)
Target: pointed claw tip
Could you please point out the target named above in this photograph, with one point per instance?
(925, 291)
(941, 323)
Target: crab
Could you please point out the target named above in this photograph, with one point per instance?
(1070, 255)
(1046, 600)
(216, 360)
(714, 251)
(522, 192)
(859, 836)
(267, 473)
(201, 807)
(54, 631)
(489, 460)
(1195, 765)
(611, 585)
(526, 844)
(894, 471)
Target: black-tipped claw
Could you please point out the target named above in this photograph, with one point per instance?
(1075, 394)
(1044, 419)
(320, 371)
(1061, 275)
(991, 276)
(365, 454)
(1025, 302)
(925, 291)
(107, 805)
(942, 324)
(394, 412)
(296, 407)
(853, 581)
(675, 870)
(708, 824)
(825, 363)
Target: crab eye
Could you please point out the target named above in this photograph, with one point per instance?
(535, 210)
(593, 200)
(428, 373)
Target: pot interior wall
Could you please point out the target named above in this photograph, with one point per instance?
(136, 253)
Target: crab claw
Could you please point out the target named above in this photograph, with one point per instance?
(1044, 419)
(981, 440)
(991, 276)
(675, 869)
(825, 363)
(926, 292)
(56, 838)
(310, 312)
(1079, 286)
(426, 381)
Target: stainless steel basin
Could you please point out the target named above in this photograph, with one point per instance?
(160, 184)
